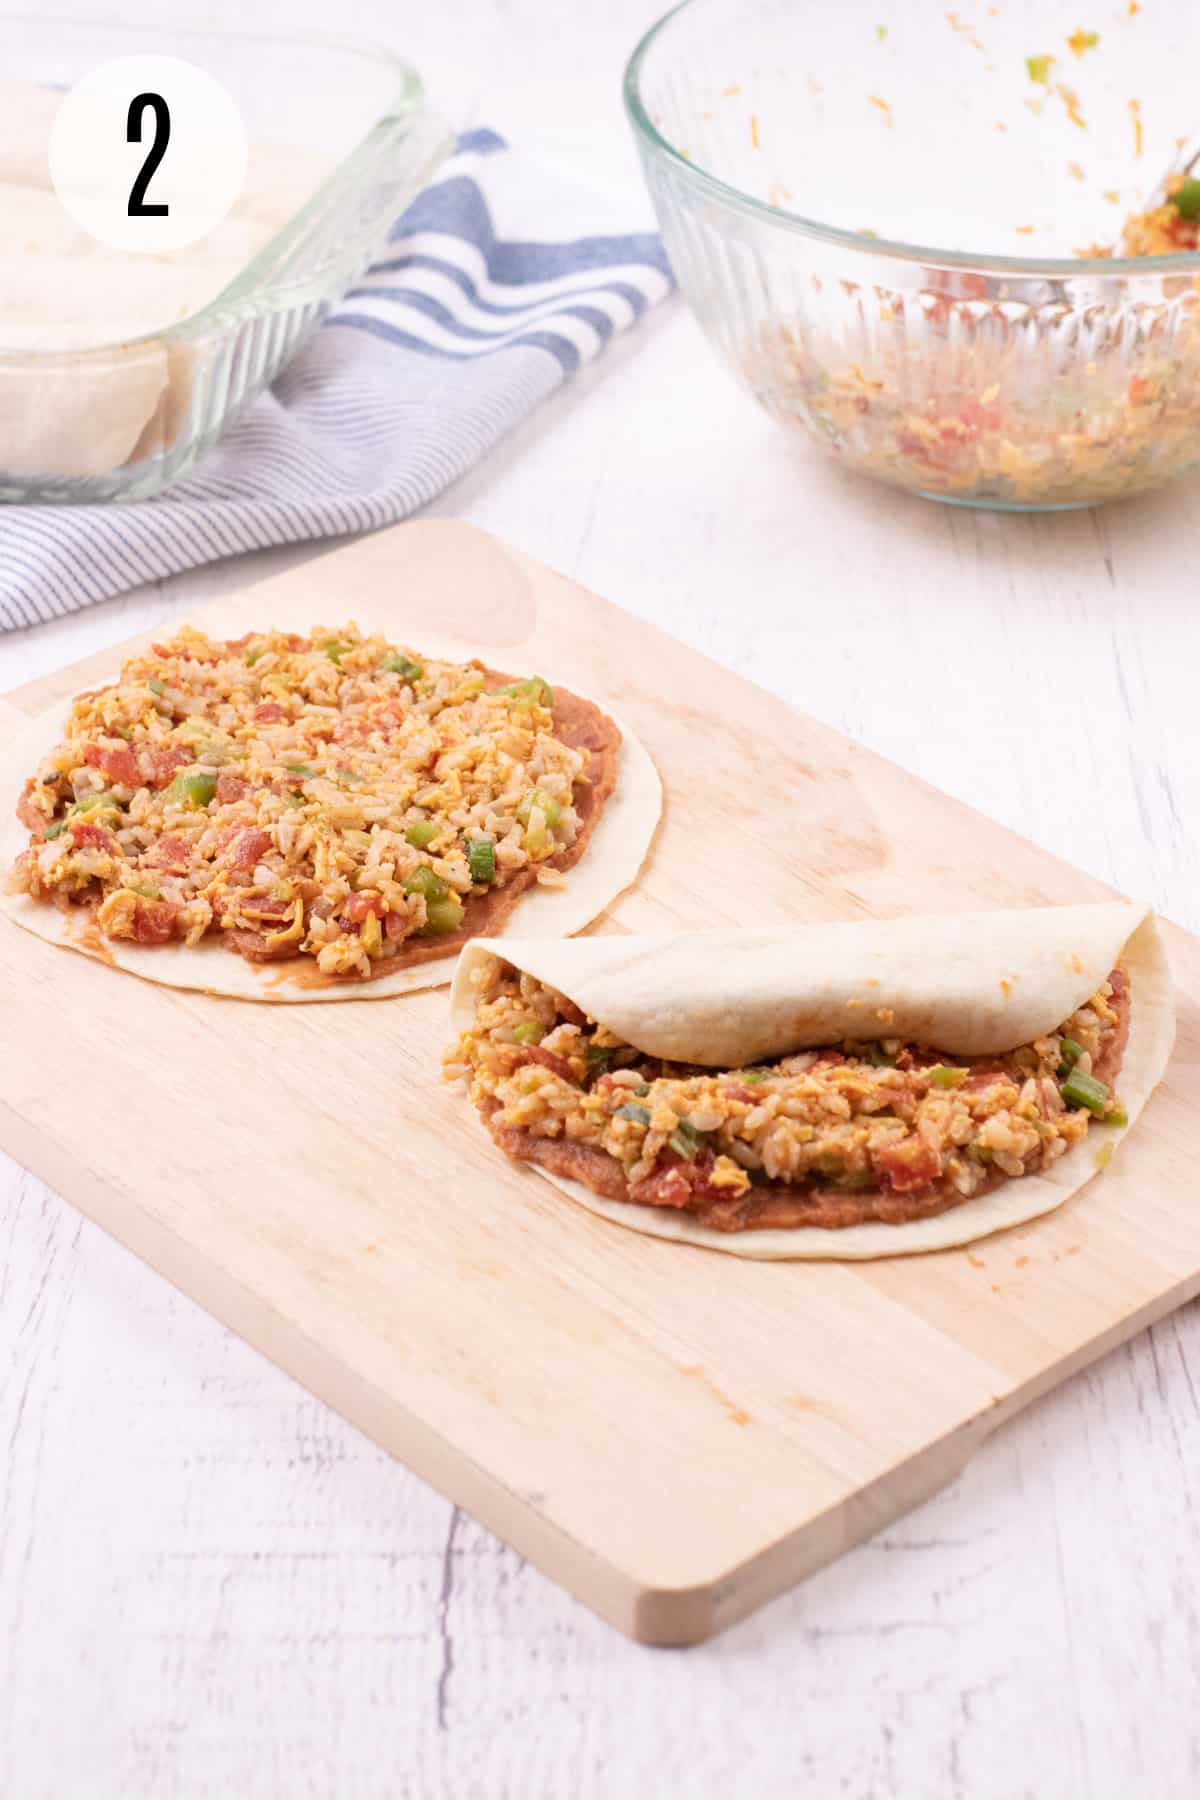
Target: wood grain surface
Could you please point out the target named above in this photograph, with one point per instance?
(672, 1435)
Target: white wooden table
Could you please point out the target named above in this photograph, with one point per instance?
(210, 1586)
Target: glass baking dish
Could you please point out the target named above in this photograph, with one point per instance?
(118, 372)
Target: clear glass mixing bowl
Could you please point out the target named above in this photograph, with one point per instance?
(804, 162)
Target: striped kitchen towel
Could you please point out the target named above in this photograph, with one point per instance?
(450, 340)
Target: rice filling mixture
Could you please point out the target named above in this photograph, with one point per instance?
(330, 796)
(832, 1137)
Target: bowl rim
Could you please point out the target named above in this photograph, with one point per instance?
(1080, 267)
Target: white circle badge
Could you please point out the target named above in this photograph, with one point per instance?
(148, 153)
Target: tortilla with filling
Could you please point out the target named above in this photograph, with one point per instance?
(617, 806)
(849, 1090)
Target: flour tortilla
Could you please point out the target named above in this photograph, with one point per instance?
(976, 984)
(609, 864)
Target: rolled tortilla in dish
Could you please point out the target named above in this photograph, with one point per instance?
(972, 985)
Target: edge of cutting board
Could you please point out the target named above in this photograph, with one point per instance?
(649, 1613)
(661, 1617)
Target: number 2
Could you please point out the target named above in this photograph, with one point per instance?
(138, 208)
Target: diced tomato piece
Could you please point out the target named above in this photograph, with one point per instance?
(980, 1079)
(394, 925)
(154, 921)
(160, 763)
(549, 1059)
(116, 762)
(739, 1090)
(99, 836)
(360, 906)
(269, 713)
(665, 1187)
(266, 907)
(908, 1166)
(246, 848)
(674, 1180)
(909, 444)
(231, 788)
(972, 412)
(169, 853)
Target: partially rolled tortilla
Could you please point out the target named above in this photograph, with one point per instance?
(972, 985)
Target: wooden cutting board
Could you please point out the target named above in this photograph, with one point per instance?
(674, 1435)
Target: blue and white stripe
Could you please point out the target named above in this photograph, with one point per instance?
(447, 343)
